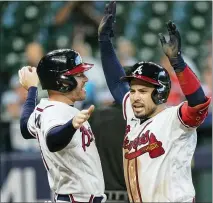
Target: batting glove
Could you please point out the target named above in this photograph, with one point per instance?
(172, 48)
(106, 27)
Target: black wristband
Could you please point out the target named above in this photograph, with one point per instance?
(177, 63)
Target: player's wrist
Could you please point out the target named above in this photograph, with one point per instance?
(177, 63)
(32, 89)
(75, 124)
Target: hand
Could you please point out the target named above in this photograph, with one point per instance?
(28, 77)
(172, 48)
(105, 29)
(82, 116)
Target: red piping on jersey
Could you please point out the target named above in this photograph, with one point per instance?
(71, 198)
(91, 198)
(137, 181)
(180, 119)
(124, 106)
(129, 181)
(41, 110)
(48, 106)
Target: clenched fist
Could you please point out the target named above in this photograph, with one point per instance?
(82, 116)
(28, 77)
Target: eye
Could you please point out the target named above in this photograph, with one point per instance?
(143, 91)
(79, 75)
(131, 91)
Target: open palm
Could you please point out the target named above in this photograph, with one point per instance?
(172, 48)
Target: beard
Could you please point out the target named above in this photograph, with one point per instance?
(78, 94)
(146, 115)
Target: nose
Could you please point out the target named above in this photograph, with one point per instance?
(85, 78)
(136, 96)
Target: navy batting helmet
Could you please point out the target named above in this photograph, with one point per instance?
(56, 69)
(154, 74)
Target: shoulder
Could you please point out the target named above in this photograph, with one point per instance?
(167, 117)
(170, 123)
(171, 110)
(177, 121)
(56, 108)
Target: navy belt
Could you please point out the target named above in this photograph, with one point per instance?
(69, 198)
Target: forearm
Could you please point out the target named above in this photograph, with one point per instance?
(191, 87)
(59, 137)
(193, 112)
(28, 109)
(113, 71)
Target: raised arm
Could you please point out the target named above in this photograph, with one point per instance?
(29, 80)
(195, 110)
(112, 68)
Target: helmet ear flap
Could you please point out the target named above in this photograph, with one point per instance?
(67, 83)
(160, 95)
(155, 96)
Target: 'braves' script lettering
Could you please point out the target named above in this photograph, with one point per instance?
(154, 147)
(87, 137)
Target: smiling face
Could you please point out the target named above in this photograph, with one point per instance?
(141, 100)
(79, 93)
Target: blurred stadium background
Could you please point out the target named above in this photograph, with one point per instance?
(31, 29)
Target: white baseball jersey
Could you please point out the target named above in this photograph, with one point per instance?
(76, 169)
(157, 157)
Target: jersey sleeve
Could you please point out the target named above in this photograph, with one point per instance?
(53, 117)
(169, 121)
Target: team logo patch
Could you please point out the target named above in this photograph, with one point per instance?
(138, 71)
(78, 60)
(153, 147)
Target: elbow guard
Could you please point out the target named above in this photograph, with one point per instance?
(194, 116)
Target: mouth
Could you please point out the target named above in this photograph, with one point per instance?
(138, 107)
(84, 87)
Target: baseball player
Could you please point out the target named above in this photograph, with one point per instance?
(65, 137)
(159, 141)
